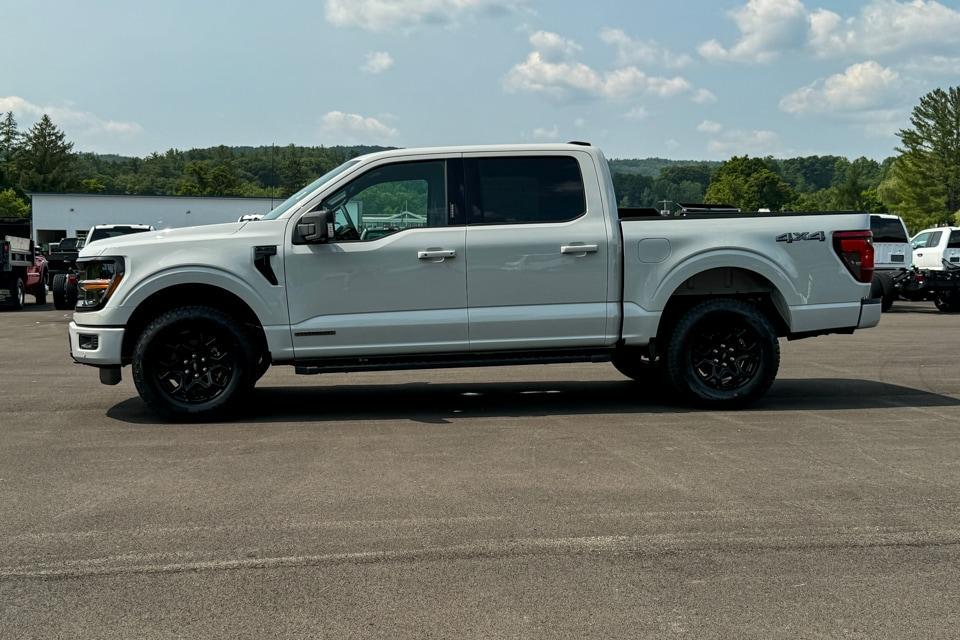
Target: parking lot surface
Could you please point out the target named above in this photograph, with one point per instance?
(546, 501)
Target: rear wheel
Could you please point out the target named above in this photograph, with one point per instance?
(194, 363)
(40, 292)
(15, 293)
(723, 353)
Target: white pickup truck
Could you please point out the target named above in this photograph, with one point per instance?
(461, 257)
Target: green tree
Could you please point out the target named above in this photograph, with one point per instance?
(748, 184)
(44, 158)
(924, 183)
(12, 206)
(9, 143)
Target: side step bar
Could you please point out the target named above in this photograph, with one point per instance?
(451, 360)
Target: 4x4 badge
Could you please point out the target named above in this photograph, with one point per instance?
(798, 237)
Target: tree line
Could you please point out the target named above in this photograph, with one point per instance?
(920, 183)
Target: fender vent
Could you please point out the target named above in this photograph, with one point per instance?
(261, 260)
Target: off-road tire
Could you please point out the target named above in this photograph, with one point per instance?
(150, 353)
(735, 371)
(60, 291)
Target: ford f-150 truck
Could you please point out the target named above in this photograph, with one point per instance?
(468, 256)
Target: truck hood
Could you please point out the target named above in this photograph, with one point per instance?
(124, 244)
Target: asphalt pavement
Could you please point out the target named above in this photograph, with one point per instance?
(513, 502)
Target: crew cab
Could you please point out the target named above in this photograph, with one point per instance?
(934, 247)
(468, 256)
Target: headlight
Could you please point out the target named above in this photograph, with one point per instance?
(96, 282)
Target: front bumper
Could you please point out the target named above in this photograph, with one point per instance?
(869, 313)
(96, 346)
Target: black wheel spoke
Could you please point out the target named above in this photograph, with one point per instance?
(726, 357)
(194, 365)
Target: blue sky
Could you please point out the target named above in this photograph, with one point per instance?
(679, 79)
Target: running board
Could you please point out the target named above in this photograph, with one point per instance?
(450, 360)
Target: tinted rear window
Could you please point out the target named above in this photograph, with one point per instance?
(954, 242)
(887, 230)
(525, 190)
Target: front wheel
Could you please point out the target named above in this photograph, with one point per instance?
(60, 291)
(40, 291)
(723, 353)
(194, 363)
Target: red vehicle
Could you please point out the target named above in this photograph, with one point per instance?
(23, 269)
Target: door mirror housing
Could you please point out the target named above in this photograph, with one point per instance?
(315, 227)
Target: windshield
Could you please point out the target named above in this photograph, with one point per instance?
(313, 186)
(113, 232)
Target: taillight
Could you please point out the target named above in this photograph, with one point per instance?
(855, 249)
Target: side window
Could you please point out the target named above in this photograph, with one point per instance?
(524, 190)
(390, 199)
(954, 242)
(920, 241)
(934, 239)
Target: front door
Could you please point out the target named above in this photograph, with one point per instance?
(537, 241)
(393, 280)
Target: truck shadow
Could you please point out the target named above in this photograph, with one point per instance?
(437, 403)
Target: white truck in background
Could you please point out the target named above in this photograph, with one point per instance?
(893, 256)
(936, 269)
(512, 254)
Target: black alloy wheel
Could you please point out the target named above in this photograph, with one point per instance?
(726, 358)
(193, 364)
(722, 353)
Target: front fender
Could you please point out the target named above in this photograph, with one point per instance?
(270, 308)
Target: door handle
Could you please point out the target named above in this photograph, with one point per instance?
(432, 254)
(579, 248)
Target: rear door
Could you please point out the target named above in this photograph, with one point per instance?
(537, 248)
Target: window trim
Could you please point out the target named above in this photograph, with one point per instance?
(471, 170)
(453, 177)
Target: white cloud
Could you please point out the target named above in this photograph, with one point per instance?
(758, 142)
(384, 15)
(542, 133)
(766, 28)
(553, 46)
(377, 62)
(709, 126)
(882, 27)
(631, 51)
(636, 113)
(352, 128)
(861, 87)
(87, 128)
(933, 65)
(558, 76)
(704, 96)
(885, 27)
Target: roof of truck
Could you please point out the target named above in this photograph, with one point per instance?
(482, 148)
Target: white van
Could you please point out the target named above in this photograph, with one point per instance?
(931, 247)
(892, 255)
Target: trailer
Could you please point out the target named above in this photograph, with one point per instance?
(23, 269)
(942, 286)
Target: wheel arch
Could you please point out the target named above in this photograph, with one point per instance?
(184, 294)
(740, 282)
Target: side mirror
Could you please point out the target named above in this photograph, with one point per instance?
(315, 227)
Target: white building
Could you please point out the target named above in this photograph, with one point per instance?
(62, 215)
